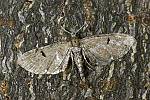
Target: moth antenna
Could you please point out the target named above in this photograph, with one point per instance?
(80, 28)
(66, 30)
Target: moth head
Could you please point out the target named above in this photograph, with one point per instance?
(75, 42)
(73, 33)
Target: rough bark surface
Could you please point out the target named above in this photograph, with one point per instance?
(27, 24)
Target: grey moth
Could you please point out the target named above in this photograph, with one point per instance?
(53, 59)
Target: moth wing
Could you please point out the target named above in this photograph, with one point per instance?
(107, 46)
(45, 60)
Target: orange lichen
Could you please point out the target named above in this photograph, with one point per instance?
(4, 88)
(11, 23)
(109, 85)
(130, 18)
(89, 11)
(142, 18)
(83, 85)
(7, 22)
(2, 21)
(19, 39)
(28, 83)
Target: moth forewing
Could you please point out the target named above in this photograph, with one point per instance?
(63, 63)
(118, 46)
(121, 44)
(34, 61)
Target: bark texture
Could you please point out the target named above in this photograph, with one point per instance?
(27, 24)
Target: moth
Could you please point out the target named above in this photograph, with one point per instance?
(95, 50)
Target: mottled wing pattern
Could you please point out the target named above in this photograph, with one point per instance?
(107, 46)
(46, 60)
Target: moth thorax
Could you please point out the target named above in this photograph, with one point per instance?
(78, 56)
(75, 42)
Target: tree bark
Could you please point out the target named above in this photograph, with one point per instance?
(28, 24)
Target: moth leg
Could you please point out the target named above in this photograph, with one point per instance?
(81, 72)
(79, 63)
(66, 73)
